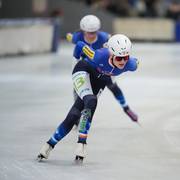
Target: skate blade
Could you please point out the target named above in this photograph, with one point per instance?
(40, 157)
(139, 124)
(79, 160)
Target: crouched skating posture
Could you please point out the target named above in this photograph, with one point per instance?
(91, 34)
(90, 77)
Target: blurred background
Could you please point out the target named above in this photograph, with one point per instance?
(36, 91)
(141, 20)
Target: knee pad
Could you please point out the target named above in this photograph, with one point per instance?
(85, 123)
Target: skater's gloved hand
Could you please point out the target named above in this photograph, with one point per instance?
(69, 37)
(130, 113)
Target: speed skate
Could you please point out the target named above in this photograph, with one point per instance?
(44, 152)
(80, 153)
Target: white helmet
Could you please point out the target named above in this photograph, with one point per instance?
(90, 23)
(119, 45)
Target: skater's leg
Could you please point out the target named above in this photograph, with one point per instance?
(75, 96)
(62, 130)
(90, 103)
(87, 86)
(65, 127)
(82, 84)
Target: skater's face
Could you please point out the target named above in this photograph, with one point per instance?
(120, 62)
(90, 35)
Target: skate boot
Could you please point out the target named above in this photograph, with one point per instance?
(44, 152)
(80, 152)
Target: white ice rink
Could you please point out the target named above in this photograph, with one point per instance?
(36, 94)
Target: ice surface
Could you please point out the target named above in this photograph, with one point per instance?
(36, 94)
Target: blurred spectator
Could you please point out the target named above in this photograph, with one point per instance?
(56, 16)
(117, 7)
(57, 13)
(151, 10)
(89, 2)
(147, 8)
(133, 2)
(138, 7)
(173, 9)
(142, 8)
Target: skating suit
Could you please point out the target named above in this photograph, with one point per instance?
(99, 60)
(102, 38)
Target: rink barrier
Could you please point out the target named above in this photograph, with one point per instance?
(24, 36)
(149, 29)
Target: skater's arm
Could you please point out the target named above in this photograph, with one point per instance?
(132, 64)
(73, 37)
(82, 49)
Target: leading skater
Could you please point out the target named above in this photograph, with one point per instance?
(90, 77)
(91, 35)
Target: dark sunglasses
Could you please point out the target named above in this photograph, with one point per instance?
(91, 32)
(125, 58)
